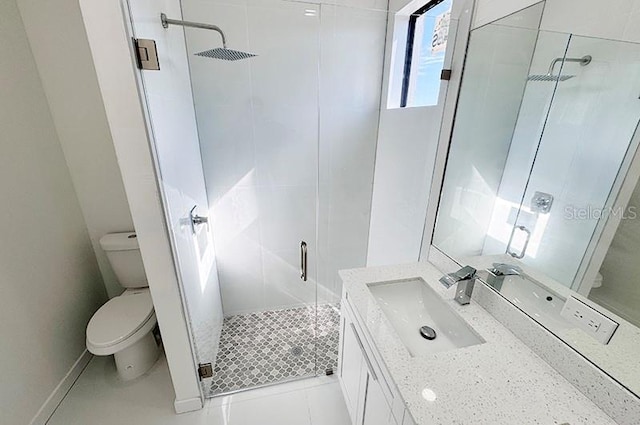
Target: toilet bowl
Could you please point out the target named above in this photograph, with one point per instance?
(123, 327)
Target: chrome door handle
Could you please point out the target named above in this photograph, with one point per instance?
(303, 261)
(526, 242)
(196, 219)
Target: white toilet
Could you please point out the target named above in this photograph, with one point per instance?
(123, 326)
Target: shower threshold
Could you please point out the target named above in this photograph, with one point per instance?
(276, 346)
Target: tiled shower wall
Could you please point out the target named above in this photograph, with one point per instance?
(296, 124)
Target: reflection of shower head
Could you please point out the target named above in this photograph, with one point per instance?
(583, 61)
(225, 54)
(547, 77)
(218, 52)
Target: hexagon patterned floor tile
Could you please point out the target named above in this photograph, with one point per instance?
(273, 346)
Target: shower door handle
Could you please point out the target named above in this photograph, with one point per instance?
(303, 261)
(526, 242)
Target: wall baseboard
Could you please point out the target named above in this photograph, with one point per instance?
(187, 405)
(54, 399)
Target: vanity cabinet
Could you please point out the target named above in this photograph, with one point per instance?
(370, 398)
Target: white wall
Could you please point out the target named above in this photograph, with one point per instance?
(352, 43)
(405, 157)
(620, 291)
(50, 280)
(59, 44)
(267, 124)
(614, 20)
(490, 10)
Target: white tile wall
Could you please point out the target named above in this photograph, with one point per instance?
(268, 123)
(407, 143)
(617, 20)
(352, 55)
(258, 124)
(490, 10)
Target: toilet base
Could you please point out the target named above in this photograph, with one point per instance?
(134, 361)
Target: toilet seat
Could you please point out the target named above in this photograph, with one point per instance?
(121, 322)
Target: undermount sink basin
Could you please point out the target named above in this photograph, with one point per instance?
(411, 304)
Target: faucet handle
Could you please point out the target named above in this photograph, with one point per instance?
(503, 269)
(465, 273)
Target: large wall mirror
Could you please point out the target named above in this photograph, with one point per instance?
(541, 190)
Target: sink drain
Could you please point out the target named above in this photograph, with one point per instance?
(296, 351)
(427, 332)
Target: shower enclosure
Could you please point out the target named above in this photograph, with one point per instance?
(286, 102)
(288, 139)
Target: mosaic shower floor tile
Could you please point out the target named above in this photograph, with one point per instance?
(273, 346)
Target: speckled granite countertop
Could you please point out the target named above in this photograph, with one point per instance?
(619, 358)
(499, 382)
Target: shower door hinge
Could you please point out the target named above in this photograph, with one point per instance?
(146, 54)
(205, 370)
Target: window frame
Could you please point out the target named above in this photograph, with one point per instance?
(408, 55)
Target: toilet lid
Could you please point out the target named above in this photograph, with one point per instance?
(119, 318)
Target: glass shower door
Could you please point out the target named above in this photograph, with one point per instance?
(258, 126)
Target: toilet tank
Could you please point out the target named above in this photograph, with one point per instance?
(124, 256)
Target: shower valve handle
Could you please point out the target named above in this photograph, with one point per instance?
(196, 220)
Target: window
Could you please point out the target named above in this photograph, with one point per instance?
(428, 30)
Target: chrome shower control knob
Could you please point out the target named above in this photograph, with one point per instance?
(197, 219)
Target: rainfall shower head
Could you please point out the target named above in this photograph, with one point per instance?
(218, 52)
(547, 77)
(583, 61)
(225, 54)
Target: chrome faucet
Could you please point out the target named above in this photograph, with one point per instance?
(465, 278)
(498, 272)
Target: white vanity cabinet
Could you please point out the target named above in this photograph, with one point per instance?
(370, 398)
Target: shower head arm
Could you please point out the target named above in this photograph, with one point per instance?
(583, 61)
(166, 22)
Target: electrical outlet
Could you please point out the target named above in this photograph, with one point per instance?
(589, 320)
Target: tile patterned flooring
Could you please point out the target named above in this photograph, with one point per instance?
(274, 346)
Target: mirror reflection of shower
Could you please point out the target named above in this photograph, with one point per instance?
(549, 76)
(223, 52)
